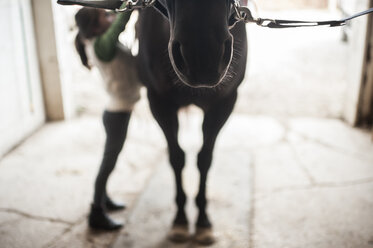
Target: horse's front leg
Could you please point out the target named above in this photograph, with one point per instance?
(214, 120)
(166, 115)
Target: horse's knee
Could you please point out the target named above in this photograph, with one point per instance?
(201, 201)
(204, 160)
(177, 159)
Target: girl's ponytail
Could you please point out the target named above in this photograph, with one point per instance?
(80, 47)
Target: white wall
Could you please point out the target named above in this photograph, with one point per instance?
(21, 102)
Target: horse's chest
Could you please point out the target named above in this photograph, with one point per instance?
(186, 97)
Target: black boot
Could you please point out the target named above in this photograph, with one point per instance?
(98, 219)
(113, 206)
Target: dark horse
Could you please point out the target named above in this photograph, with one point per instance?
(191, 55)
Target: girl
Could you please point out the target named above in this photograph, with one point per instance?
(97, 44)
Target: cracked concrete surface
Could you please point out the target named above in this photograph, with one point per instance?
(47, 181)
(289, 190)
(286, 171)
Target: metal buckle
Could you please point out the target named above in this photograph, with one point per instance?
(135, 4)
(244, 14)
(237, 6)
(264, 22)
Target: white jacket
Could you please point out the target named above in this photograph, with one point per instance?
(119, 76)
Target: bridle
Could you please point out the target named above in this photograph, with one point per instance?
(244, 14)
(239, 13)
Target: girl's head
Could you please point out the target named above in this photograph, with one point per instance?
(91, 23)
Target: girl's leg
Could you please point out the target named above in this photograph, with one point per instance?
(116, 125)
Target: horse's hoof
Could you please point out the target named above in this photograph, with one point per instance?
(179, 233)
(204, 236)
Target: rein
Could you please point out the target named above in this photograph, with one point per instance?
(241, 13)
(244, 14)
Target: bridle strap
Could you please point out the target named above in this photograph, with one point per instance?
(117, 5)
(333, 23)
(111, 4)
(244, 14)
(158, 6)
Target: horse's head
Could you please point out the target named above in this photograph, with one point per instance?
(200, 45)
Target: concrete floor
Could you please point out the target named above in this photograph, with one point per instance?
(287, 172)
(299, 182)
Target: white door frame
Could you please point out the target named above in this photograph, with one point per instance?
(357, 63)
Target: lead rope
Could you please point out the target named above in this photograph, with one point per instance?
(244, 14)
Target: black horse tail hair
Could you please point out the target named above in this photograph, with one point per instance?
(80, 47)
